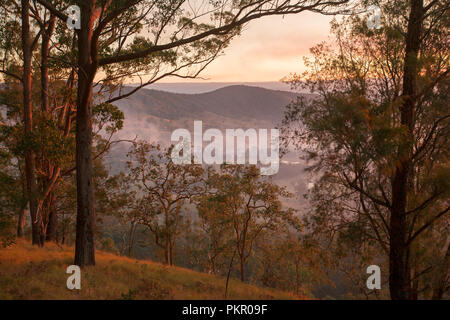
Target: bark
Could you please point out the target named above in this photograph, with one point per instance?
(168, 252)
(242, 266)
(28, 124)
(131, 238)
(441, 283)
(52, 227)
(415, 285)
(399, 265)
(22, 220)
(46, 34)
(49, 218)
(84, 244)
(63, 236)
(212, 263)
(229, 274)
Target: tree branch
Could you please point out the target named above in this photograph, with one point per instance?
(426, 225)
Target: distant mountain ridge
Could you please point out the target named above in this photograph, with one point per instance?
(233, 102)
(203, 87)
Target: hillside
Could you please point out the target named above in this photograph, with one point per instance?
(202, 86)
(153, 114)
(233, 102)
(27, 272)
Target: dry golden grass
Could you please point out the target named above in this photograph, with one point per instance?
(27, 272)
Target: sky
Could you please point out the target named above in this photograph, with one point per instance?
(268, 49)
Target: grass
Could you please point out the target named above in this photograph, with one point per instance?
(28, 272)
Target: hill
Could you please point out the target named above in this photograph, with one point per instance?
(152, 115)
(27, 272)
(202, 86)
(233, 102)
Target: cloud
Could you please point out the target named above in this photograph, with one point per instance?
(270, 48)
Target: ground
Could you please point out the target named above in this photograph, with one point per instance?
(28, 272)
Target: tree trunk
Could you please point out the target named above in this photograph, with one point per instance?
(441, 283)
(168, 253)
(399, 273)
(229, 273)
(212, 263)
(22, 218)
(399, 269)
(46, 34)
(297, 277)
(242, 265)
(84, 244)
(171, 252)
(52, 228)
(131, 238)
(21, 222)
(48, 217)
(28, 124)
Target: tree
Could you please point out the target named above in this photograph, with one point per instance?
(120, 202)
(215, 233)
(27, 49)
(248, 204)
(377, 133)
(288, 259)
(164, 188)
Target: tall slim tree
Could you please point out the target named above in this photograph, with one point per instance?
(27, 51)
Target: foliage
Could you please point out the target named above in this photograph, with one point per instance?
(354, 136)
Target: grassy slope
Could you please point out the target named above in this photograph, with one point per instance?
(27, 272)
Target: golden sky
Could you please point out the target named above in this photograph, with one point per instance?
(268, 49)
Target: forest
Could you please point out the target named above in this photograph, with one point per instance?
(373, 133)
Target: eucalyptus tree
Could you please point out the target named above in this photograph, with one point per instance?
(164, 189)
(247, 204)
(377, 136)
